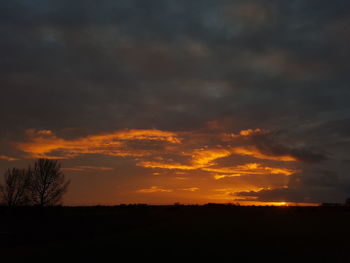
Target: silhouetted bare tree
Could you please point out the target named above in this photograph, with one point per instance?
(47, 183)
(15, 190)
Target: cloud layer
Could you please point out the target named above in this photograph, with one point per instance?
(213, 88)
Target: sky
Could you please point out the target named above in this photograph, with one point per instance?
(168, 101)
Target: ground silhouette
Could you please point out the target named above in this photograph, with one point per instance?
(166, 233)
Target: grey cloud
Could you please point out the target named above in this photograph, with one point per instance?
(98, 66)
(89, 59)
(271, 144)
(310, 186)
(297, 195)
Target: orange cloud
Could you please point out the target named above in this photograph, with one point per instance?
(204, 157)
(248, 169)
(146, 135)
(223, 172)
(158, 189)
(39, 132)
(252, 132)
(245, 133)
(252, 151)
(45, 143)
(154, 189)
(177, 161)
(199, 158)
(228, 192)
(221, 176)
(191, 189)
(7, 158)
(166, 165)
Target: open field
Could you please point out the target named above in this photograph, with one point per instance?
(225, 233)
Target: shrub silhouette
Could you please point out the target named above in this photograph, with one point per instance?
(16, 188)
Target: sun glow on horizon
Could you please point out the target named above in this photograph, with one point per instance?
(280, 203)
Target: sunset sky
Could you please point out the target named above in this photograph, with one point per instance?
(165, 101)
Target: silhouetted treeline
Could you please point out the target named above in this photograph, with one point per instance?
(44, 184)
(140, 232)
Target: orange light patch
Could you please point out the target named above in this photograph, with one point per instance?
(147, 135)
(205, 157)
(191, 189)
(250, 132)
(221, 176)
(226, 194)
(154, 189)
(166, 165)
(252, 151)
(8, 158)
(43, 143)
(280, 203)
(250, 168)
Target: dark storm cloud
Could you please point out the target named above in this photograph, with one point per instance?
(91, 66)
(313, 186)
(269, 144)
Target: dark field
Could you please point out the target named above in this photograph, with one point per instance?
(167, 233)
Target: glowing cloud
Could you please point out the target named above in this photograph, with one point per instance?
(154, 189)
(250, 132)
(158, 189)
(228, 192)
(191, 189)
(221, 176)
(166, 165)
(247, 133)
(199, 156)
(7, 158)
(250, 168)
(252, 151)
(45, 143)
(204, 157)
